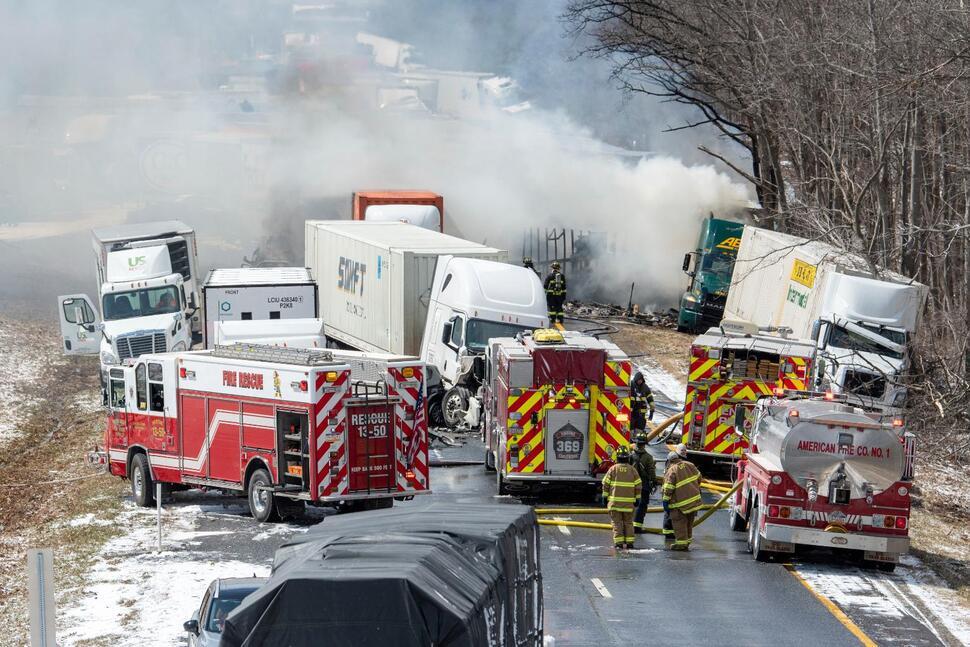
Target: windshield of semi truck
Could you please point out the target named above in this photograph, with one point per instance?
(140, 303)
(842, 338)
(718, 263)
(479, 331)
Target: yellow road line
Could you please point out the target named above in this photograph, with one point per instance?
(834, 610)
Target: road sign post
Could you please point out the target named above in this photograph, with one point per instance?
(40, 593)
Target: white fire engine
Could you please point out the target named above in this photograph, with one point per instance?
(557, 406)
(824, 473)
(287, 426)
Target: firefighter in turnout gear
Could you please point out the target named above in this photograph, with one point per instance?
(681, 496)
(641, 400)
(527, 262)
(555, 286)
(647, 469)
(621, 489)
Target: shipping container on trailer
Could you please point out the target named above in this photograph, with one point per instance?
(375, 279)
(286, 426)
(557, 407)
(422, 208)
(729, 372)
(257, 293)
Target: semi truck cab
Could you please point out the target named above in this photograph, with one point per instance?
(472, 301)
(702, 305)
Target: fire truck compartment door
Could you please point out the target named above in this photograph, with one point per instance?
(370, 450)
(552, 366)
(80, 325)
(567, 441)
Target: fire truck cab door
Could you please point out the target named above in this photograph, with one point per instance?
(80, 325)
(567, 441)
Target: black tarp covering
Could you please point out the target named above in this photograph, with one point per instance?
(440, 574)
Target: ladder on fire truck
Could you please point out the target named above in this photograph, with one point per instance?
(267, 353)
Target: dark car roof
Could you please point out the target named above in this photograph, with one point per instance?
(236, 585)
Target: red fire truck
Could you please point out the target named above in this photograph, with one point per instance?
(287, 426)
(730, 369)
(557, 406)
(825, 473)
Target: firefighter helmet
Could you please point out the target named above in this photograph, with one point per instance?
(527, 261)
(622, 455)
(556, 265)
(641, 438)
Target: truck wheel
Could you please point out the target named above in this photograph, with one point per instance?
(453, 406)
(500, 482)
(736, 521)
(752, 525)
(261, 503)
(142, 486)
(756, 551)
(489, 461)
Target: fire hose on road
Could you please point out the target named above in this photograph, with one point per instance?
(710, 508)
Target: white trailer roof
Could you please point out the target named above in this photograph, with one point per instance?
(140, 231)
(241, 276)
(401, 236)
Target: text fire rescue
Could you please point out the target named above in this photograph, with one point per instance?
(243, 380)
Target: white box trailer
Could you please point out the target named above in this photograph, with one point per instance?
(376, 279)
(862, 321)
(257, 294)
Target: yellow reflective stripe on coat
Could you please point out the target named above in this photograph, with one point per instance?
(689, 479)
(681, 504)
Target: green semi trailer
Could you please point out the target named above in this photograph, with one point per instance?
(702, 305)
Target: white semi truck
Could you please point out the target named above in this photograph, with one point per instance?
(148, 294)
(861, 321)
(393, 287)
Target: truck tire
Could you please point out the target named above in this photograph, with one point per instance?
(262, 505)
(454, 406)
(503, 489)
(752, 524)
(142, 485)
(755, 533)
(736, 521)
(489, 461)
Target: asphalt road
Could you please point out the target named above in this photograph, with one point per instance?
(714, 595)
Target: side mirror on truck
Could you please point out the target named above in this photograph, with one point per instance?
(686, 266)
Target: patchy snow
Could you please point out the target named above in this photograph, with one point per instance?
(130, 583)
(913, 592)
(25, 351)
(659, 380)
(88, 519)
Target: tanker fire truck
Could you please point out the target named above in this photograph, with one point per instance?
(287, 426)
(730, 369)
(824, 473)
(557, 407)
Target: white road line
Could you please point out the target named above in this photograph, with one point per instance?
(605, 592)
(563, 529)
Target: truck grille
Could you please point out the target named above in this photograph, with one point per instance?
(712, 309)
(137, 345)
(870, 385)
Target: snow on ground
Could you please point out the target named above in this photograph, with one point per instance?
(25, 350)
(659, 380)
(134, 595)
(888, 597)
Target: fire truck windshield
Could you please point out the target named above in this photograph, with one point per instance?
(479, 331)
(140, 303)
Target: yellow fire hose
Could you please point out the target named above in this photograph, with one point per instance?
(711, 508)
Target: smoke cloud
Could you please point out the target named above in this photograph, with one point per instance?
(198, 111)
